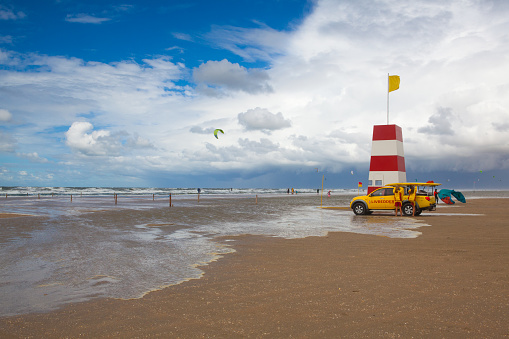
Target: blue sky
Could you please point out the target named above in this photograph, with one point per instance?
(128, 93)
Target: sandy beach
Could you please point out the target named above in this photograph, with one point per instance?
(450, 282)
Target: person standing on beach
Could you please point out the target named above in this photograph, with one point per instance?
(436, 196)
(411, 198)
(397, 200)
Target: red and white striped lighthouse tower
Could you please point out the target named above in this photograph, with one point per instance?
(387, 157)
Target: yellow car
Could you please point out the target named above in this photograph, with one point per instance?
(383, 199)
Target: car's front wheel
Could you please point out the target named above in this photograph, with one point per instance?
(359, 208)
(408, 209)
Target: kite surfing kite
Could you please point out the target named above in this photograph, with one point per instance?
(445, 196)
(218, 130)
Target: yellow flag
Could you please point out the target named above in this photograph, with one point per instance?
(393, 82)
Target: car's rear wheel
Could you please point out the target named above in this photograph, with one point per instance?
(359, 208)
(408, 209)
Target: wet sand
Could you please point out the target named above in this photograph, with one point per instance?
(12, 215)
(450, 282)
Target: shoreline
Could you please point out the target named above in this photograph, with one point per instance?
(4, 215)
(451, 281)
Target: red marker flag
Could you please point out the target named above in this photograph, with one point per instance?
(360, 184)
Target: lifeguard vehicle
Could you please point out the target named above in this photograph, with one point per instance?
(383, 199)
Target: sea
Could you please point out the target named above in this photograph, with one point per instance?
(74, 244)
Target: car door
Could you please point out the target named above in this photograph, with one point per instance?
(381, 199)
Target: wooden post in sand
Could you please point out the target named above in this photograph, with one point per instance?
(198, 197)
(153, 197)
(116, 198)
(170, 200)
(39, 196)
(71, 197)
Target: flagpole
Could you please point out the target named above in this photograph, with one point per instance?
(387, 98)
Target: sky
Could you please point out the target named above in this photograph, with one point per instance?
(128, 93)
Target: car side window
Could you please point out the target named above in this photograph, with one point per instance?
(389, 191)
(378, 193)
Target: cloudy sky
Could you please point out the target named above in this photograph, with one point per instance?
(128, 93)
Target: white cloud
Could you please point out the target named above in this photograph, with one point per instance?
(63, 88)
(501, 127)
(263, 146)
(6, 39)
(82, 139)
(95, 143)
(175, 48)
(33, 157)
(224, 75)
(123, 8)
(138, 142)
(5, 115)
(262, 43)
(440, 123)
(85, 18)
(201, 130)
(263, 120)
(7, 142)
(182, 36)
(9, 14)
